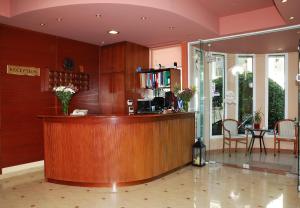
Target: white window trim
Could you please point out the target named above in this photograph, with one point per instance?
(225, 89)
(286, 90)
(254, 85)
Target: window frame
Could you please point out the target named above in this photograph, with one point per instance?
(286, 90)
(210, 94)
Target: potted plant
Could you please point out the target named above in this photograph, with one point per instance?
(257, 119)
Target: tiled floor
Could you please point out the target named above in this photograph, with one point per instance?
(213, 186)
(283, 162)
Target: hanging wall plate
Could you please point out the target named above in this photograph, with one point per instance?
(69, 64)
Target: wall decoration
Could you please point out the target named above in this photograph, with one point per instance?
(230, 97)
(69, 64)
(23, 70)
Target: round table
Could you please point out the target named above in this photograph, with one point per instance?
(257, 134)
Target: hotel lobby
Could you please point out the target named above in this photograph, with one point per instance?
(161, 103)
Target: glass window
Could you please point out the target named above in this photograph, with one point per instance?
(276, 89)
(217, 93)
(245, 89)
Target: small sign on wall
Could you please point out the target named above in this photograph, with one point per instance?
(23, 70)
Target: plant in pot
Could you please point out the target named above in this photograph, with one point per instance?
(257, 119)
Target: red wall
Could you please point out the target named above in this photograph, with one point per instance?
(22, 97)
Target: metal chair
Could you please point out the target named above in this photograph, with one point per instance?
(286, 131)
(230, 134)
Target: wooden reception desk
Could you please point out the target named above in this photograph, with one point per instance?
(116, 149)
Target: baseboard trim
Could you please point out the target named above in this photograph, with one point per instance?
(269, 150)
(23, 167)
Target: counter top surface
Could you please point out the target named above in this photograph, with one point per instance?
(119, 115)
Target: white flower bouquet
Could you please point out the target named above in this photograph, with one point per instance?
(64, 94)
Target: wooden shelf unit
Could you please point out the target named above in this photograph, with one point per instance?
(174, 76)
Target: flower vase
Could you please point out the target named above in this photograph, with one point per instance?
(65, 108)
(256, 125)
(185, 106)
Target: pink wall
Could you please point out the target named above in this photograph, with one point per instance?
(4, 7)
(166, 56)
(251, 21)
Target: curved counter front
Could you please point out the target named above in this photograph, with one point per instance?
(117, 149)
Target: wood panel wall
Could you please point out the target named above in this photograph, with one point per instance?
(22, 97)
(118, 78)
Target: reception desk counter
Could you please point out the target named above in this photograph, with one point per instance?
(116, 149)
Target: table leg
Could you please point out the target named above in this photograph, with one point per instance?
(249, 147)
(264, 145)
(253, 139)
(260, 144)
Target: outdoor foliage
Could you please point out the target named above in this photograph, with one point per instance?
(245, 96)
(276, 103)
(276, 98)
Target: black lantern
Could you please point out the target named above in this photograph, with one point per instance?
(199, 153)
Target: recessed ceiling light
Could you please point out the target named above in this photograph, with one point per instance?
(279, 49)
(283, 1)
(291, 18)
(144, 18)
(42, 24)
(59, 19)
(113, 32)
(98, 15)
(102, 42)
(171, 28)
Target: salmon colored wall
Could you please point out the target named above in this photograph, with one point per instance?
(167, 55)
(250, 21)
(22, 97)
(184, 49)
(5, 8)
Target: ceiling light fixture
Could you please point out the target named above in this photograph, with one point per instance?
(59, 19)
(98, 15)
(144, 18)
(291, 18)
(171, 28)
(42, 24)
(283, 1)
(113, 32)
(102, 43)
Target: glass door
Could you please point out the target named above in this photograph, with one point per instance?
(237, 78)
(298, 79)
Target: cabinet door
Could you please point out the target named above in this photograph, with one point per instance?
(118, 83)
(106, 93)
(106, 59)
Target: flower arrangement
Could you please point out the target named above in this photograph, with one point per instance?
(185, 95)
(64, 94)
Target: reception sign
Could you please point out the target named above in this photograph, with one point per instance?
(23, 70)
